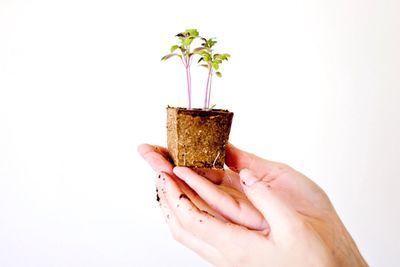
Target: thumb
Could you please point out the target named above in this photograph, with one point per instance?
(278, 214)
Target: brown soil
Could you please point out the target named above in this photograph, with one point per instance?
(198, 138)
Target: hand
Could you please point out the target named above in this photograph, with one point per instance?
(304, 228)
(220, 194)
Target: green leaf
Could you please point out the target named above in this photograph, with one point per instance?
(168, 56)
(217, 57)
(174, 47)
(215, 66)
(225, 56)
(206, 56)
(211, 42)
(212, 107)
(186, 41)
(221, 57)
(219, 74)
(183, 50)
(193, 32)
(198, 50)
(204, 65)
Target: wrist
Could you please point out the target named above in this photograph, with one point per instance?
(348, 252)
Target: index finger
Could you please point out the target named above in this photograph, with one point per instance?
(144, 149)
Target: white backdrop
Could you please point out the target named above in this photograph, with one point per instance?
(81, 85)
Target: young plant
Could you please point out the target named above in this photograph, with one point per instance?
(186, 55)
(210, 61)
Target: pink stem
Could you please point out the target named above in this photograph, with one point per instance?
(209, 91)
(188, 79)
(206, 105)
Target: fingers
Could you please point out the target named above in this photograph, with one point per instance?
(197, 200)
(227, 238)
(281, 217)
(221, 177)
(232, 179)
(238, 210)
(155, 157)
(145, 148)
(203, 249)
(215, 176)
(237, 160)
(160, 164)
(159, 159)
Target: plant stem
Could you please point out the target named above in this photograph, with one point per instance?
(209, 90)
(188, 79)
(206, 98)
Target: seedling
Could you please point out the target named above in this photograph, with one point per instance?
(186, 55)
(211, 62)
(198, 138)
(207, 59)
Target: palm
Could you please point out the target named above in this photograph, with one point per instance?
(214, 191)
(223, 192)
(299, 192)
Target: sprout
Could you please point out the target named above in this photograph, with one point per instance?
(186, 55)
(211, 62)
(207, 59)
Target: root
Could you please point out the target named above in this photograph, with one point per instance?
(215, 160)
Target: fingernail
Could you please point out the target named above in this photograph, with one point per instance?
(178, 172)
(175, 170)
(248, 178)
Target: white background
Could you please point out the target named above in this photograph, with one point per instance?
(315, 84)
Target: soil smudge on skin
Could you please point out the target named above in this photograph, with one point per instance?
(206, 212)
(157, 196)
(183, 196)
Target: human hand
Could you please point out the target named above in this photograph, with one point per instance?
(304, 228)
(220, 194)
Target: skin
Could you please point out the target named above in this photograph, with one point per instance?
(256, 213)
